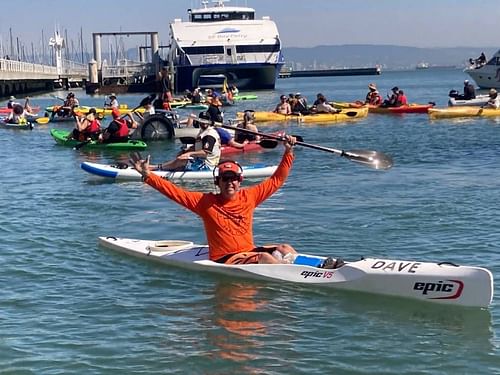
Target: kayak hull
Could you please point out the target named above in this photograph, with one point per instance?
(345, 115)
(432, 282)
(84, 110)
(411, 108)
(128, 173)
(7, 125)
(60, 136)
(457, 112)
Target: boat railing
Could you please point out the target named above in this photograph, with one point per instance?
(13, 66)
(129, 70)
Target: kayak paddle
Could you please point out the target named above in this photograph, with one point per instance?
(368, 158)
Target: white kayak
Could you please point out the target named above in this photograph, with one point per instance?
(127, 172)
(444, 283)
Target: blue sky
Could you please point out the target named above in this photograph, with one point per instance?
(419, 23)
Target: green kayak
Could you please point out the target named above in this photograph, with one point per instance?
(245, 97)
(61, 138)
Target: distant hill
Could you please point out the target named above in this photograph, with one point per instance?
(388, 56)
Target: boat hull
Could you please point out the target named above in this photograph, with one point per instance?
(128, 173)
(487, 76)
(479, 101)
(443, 283)
(254, 76)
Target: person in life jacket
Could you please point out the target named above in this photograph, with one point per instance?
(117, 130)
(393, 100)
(87, 127)
(204, 155)
(401, 100)
(373, 97)
(17, 115)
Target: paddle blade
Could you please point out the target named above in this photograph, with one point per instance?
(42, 120)
(372, 159)
(147, 99)
(268, 143)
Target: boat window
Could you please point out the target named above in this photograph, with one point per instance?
(204, 50)
(225, 16)
(258, 48)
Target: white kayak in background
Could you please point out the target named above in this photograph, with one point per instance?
(444, 283)
(126, 172)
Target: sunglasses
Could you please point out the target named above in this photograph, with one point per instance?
(230, 177)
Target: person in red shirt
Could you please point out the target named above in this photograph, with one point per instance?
(228, 215)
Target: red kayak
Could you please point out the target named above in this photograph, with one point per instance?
(249, 147)
(410, 108)
(5, 110)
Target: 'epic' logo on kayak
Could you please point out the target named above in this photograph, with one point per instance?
(323, 274)
(448, 286)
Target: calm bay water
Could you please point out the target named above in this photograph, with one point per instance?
(71, 307)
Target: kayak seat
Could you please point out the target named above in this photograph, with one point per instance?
(330, 263)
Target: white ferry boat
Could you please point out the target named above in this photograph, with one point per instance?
(225, 40)
(487, 75)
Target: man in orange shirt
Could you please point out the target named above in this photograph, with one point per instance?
(228, 215)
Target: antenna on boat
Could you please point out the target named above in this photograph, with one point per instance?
(219, 3)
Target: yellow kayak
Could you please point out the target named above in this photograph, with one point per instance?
(345, 114)
(454, 112)
(106, 111)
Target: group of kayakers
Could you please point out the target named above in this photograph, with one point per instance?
(296, 104)
(88, 127)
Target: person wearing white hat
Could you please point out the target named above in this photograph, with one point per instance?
(113, 102)
(11, 102)
(494, 101)
(373, 97)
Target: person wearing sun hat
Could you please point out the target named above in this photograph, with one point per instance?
(373, 97)
(11, 102)
(113, 102)
(228, 215)
(494, 100)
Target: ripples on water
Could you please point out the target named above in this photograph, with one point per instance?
(69, 306)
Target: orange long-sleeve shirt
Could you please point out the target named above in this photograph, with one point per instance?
(228, 224)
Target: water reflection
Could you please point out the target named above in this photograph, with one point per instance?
(239, 323)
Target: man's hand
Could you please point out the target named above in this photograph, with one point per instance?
(141, 165)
